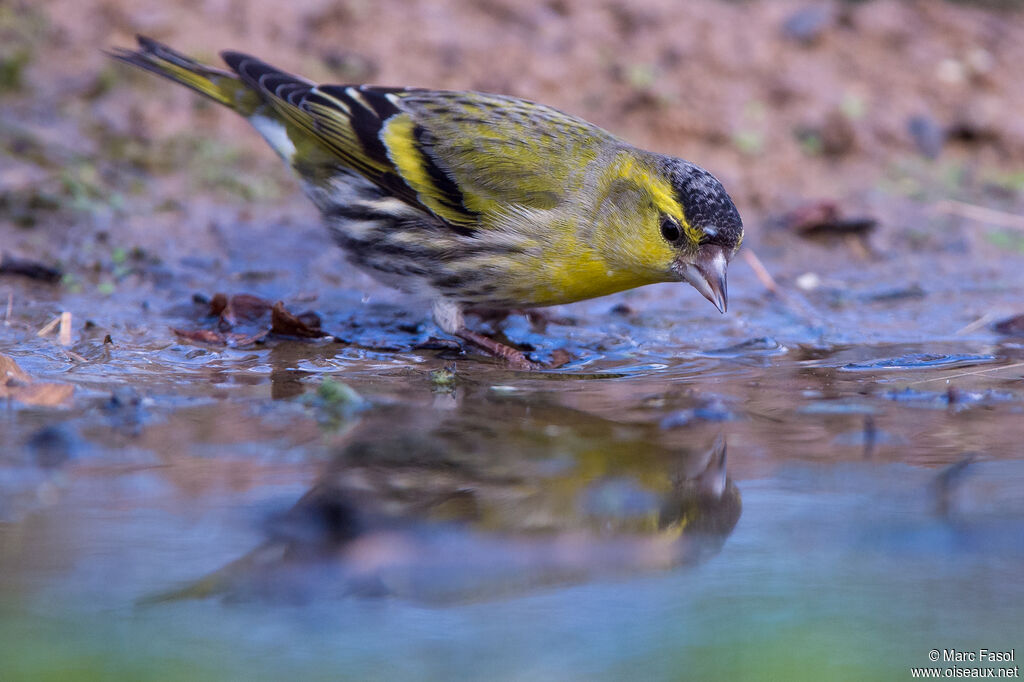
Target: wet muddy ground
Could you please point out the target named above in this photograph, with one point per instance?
(823, 483)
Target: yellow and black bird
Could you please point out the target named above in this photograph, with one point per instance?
(476, 200)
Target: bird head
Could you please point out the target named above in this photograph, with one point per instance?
(675, 222)
(705, 232)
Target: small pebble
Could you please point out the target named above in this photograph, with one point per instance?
(51, 446)
(951, 71)
(807, 24)
(808, 281)
(927, 134)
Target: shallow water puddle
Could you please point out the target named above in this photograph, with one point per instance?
(745, 498)
(760, 491)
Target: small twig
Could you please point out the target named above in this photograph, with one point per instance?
(976, 325)
(761, 271)
(49, 327)
(798, 306)
(72, 355)
(64, 335)
(981, 214)
(967, 374)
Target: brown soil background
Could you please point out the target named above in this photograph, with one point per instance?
(781, 120)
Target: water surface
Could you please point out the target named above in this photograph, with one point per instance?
(822, 490)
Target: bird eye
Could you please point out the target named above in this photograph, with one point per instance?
(669, 228)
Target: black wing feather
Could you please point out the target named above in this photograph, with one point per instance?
(347, 116)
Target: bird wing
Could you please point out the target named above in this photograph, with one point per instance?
(463, 156)
(500, 152)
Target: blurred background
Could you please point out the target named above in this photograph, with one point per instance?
(824, 483)
(784, 100)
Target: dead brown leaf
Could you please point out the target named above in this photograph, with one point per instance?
(43, 393)
(202, 336)
(18, 385)
(825, 218)
(239, 307)
(238, 340)
(218, 304)
(249, 307)
(559, 357)
(1011, 326)
(304, 325)
(9, 371)
(28, 268)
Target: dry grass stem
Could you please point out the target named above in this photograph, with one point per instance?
(48, 328)
(64, 335)
(800, 307)
(981, 214)
(967, 374)
(977, 324)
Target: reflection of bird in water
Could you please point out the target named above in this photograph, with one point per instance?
(467, 508)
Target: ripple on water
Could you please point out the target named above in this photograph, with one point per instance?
(919, 361)
(764, 346)
(685, 366)
(950, 398)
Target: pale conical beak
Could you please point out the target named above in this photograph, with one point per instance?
(714, 479)
(707, 275)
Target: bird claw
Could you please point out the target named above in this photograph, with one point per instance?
(515, 358)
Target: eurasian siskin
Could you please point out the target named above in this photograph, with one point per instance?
(477, 200)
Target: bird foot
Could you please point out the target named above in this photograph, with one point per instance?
(515, 358)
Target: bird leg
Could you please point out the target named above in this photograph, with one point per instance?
(515, 358)
(448, 316)
(538, 319)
